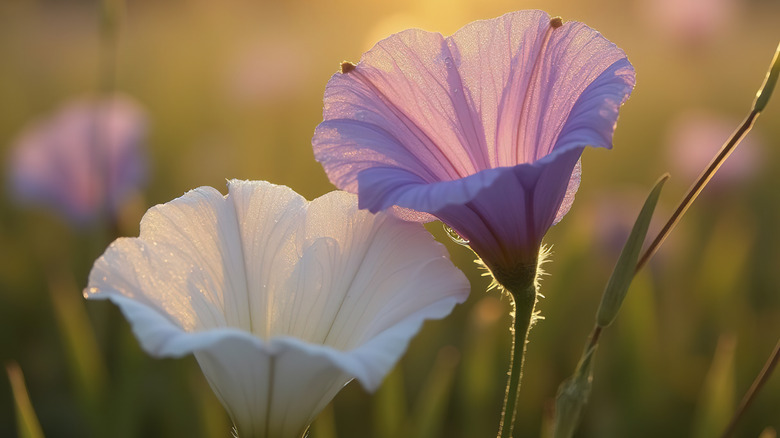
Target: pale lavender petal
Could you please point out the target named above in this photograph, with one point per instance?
(397, 108)
(571, 190)
(483, 129)
(592, 119)
(510, 216)
(496, 93)
(571, 67)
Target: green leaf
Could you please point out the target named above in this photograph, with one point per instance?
(26, 420)
(618, 284)
(573, 396)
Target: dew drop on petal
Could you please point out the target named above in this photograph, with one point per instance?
(455, 236)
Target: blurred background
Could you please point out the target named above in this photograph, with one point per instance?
(233, 89)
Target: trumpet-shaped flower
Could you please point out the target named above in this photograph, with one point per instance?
(282, 301)
(84, 159)
(483, 129)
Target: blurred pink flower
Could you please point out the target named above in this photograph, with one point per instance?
(83, 160)
(483, 129)
(689, 22)
(695, 137)
(282, 301)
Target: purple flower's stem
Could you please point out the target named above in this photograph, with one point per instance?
(523, 301)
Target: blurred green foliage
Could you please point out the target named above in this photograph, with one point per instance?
(234, 90)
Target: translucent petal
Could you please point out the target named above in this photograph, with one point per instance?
(281, 301)
(501, 111)
(268, 218)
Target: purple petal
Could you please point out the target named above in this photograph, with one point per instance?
(503, 212)
(496, 93)
(85, 158)
(483, 129)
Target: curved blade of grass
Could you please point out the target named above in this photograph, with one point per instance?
(26, 420)
(431, 405)
(87, 367)
(390, 412)
(716, 399)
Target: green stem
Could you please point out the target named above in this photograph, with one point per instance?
(763, 376)
(523, 301)
(762, 98)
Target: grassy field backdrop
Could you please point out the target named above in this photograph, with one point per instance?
(233, 89)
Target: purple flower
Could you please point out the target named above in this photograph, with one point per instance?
(690, 24)
(83, 160)
(483, 129)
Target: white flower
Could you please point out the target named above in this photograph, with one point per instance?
(282, 301)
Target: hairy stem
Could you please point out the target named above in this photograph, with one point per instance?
(523, 301)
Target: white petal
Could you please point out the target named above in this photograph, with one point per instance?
(281, 301)
(185, 263)
(388, 277)
(274, 391)
(270, 389)
(269, 220)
